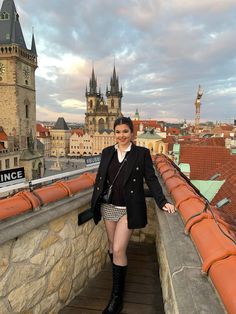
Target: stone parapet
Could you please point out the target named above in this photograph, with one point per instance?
(185, 290)
(46, 259)
(16, 51)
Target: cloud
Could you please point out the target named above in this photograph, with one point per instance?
(162, 49)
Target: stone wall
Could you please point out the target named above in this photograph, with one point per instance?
(147, 234)
(45, 268)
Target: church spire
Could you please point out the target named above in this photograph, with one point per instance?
(92, 91)
(10, 31)
(93, 84)
(33, 45)
(114, 85)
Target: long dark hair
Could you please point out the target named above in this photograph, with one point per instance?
(124, 120)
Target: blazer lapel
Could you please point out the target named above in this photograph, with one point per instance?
(107, 160)
(131, 159)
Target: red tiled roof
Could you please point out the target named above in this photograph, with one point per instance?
(226, 127)
(170, 140)
(227, 172)
(3, 136)
(203, 159)
(146, 123)
(80, 132)
(211, 141)
(188, 138)
(41, 129)
(173, 131)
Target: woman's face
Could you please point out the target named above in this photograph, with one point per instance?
(123, 134)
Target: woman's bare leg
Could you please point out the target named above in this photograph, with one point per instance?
(120, 241)
(110, 228)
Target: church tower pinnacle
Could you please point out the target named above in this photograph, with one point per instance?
(100, 116)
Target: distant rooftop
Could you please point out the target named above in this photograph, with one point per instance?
(61, 124)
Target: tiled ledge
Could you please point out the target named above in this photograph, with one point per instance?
(185, 290)
(18, 225)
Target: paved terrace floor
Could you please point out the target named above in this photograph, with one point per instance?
(142, 292)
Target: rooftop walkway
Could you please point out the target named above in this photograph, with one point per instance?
(142, 292)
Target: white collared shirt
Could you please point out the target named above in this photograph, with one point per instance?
(121, 155)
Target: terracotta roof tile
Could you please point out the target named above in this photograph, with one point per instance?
(211, 141)
(3, 136)
(203, 159)
(173, 131)
(80, 132)
(40, 128)
(227, 172)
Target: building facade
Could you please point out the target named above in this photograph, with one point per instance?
(101, 115)
(17, 90)
(9, 155)
(60, 139)
(43, 135)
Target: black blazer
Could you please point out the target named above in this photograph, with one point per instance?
(139, 166)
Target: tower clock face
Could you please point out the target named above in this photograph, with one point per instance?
(26, 72)
(2, 68)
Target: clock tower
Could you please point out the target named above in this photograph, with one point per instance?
(17, 89)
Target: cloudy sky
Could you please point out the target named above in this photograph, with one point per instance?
(163, 49)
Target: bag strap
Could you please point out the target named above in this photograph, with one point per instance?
(125, 159)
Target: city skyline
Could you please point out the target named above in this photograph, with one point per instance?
(162, 52)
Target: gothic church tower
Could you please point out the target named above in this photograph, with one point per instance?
(17, 88)
(100, 116)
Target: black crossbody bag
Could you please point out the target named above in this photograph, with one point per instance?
(106, 196)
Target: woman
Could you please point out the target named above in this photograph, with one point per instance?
(124, 166)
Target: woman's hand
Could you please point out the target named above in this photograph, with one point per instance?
(170, 208)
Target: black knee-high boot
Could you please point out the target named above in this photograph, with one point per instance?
(115, 304)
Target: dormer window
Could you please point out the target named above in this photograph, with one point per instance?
(4, 16)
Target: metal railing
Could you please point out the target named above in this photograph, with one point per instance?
(46, 180)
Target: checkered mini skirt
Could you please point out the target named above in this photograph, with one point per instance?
(112, 212)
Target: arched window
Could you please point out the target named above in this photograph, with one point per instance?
(101, 125)
(112, 103)
(91, 104)
(27, 108)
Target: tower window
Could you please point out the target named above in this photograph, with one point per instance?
(4, 16)
(28, 141)
(7, 163)
(112, 103)
(27, 111)
(15, 161)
